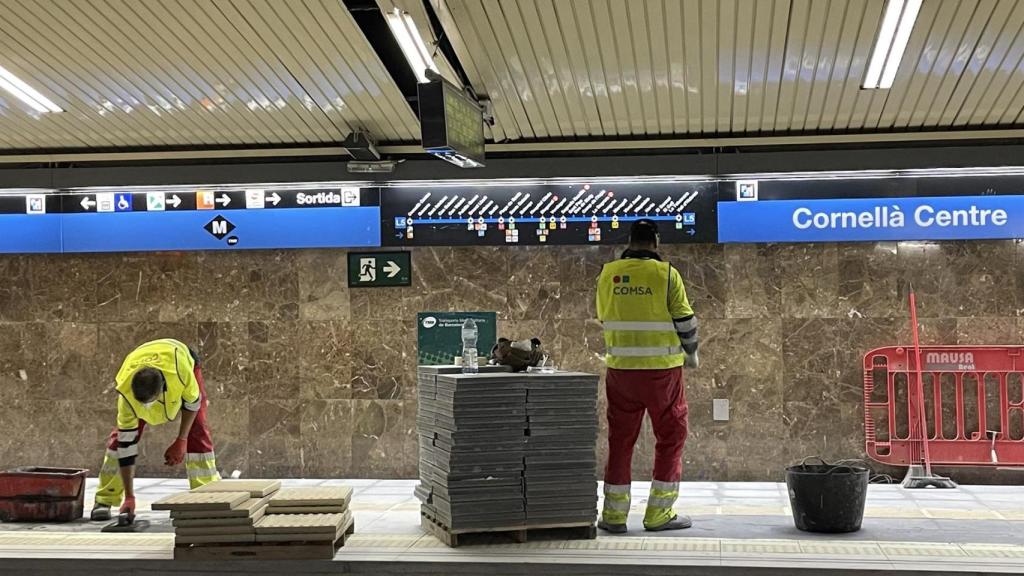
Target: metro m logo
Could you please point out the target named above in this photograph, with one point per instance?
(219, 227)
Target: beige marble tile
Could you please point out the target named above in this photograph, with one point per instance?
(327, 439)
(275, 438)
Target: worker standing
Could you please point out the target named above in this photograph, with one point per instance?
(157, 381)
(650, 332)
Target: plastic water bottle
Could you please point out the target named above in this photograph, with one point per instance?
(469, 334)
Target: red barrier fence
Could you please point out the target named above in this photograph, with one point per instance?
(973, 405)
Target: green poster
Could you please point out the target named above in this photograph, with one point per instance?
(439, 335)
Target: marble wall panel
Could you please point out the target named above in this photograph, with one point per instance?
(327, 429)
(869, 279)
(323, 285)
(989, 331)
(580, 266)
(325, 360)
(275, 359)
(383, 359)
(94, 420)
(63, 287)
(959, 279)
(75, 366)
(229, 421)
(307, 377)
(247, 285)
(224, 355)
(754, 281)
(14, 380)
(810, 280)
(703, 268)
(275, 438)
(433, 287)
(75, 439)
(534, 301)
(382, 433)
(580, 344)
(533, 265)
(16, 289)
(147, 287)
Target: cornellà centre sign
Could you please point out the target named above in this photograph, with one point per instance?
(872, 219)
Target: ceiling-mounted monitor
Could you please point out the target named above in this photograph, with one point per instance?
(451, 123)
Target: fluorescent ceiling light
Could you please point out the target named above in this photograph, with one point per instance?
(897, 24)
(27, 94)
(409, 39)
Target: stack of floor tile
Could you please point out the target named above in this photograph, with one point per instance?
(507, 450)
(224, 512)
(303, 527)
(307, 514)
(560, 476)
(268, 521)
(311, 500)
(472, 439)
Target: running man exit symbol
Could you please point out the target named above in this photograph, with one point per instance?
(379, 269)
(367, 269)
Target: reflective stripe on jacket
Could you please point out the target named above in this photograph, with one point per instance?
(637, 299)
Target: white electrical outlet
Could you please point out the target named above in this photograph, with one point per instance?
(720, 409)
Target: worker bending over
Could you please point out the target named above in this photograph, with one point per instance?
(156, 382)
(650, 332)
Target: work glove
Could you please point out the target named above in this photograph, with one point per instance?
(128, 507)
(176, 453)
(692, 361)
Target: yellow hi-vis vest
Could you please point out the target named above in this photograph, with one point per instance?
(633, 305)
(175, 361)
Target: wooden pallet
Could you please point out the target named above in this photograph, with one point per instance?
(264, 550)
(518, 534)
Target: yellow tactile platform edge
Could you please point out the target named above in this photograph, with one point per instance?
(12, 543)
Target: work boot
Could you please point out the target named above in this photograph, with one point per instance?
(612, 528)
(676, 523)
(100, 513)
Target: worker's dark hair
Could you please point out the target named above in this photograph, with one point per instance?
(644, 232)
(147, 384)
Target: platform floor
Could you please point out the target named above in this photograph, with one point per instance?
(738, 528)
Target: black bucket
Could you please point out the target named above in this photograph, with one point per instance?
(827, 497)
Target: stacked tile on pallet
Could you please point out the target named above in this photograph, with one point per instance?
(224, 512)
(472, 439)
(560, 476)
(507, 450)
(259, 513)
(307, 514)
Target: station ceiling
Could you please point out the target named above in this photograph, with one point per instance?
(301, 75)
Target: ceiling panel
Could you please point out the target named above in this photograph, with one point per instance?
(195, 73)
(154, 74)
(565, 69)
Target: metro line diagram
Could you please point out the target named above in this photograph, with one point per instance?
(552, 213)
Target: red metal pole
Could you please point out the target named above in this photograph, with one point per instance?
(919, 380)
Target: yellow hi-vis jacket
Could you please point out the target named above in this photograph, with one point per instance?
(175, 361)
(637, 300)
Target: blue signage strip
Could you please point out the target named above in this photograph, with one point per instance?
(29, 233)
(348, 227)
(870, 219)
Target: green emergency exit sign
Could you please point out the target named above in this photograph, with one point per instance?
(373, 269)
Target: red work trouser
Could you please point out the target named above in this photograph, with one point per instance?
(659, 393)
(199, 440)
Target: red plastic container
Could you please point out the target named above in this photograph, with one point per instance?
(35, 494)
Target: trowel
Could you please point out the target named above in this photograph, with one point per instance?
(126, 523)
